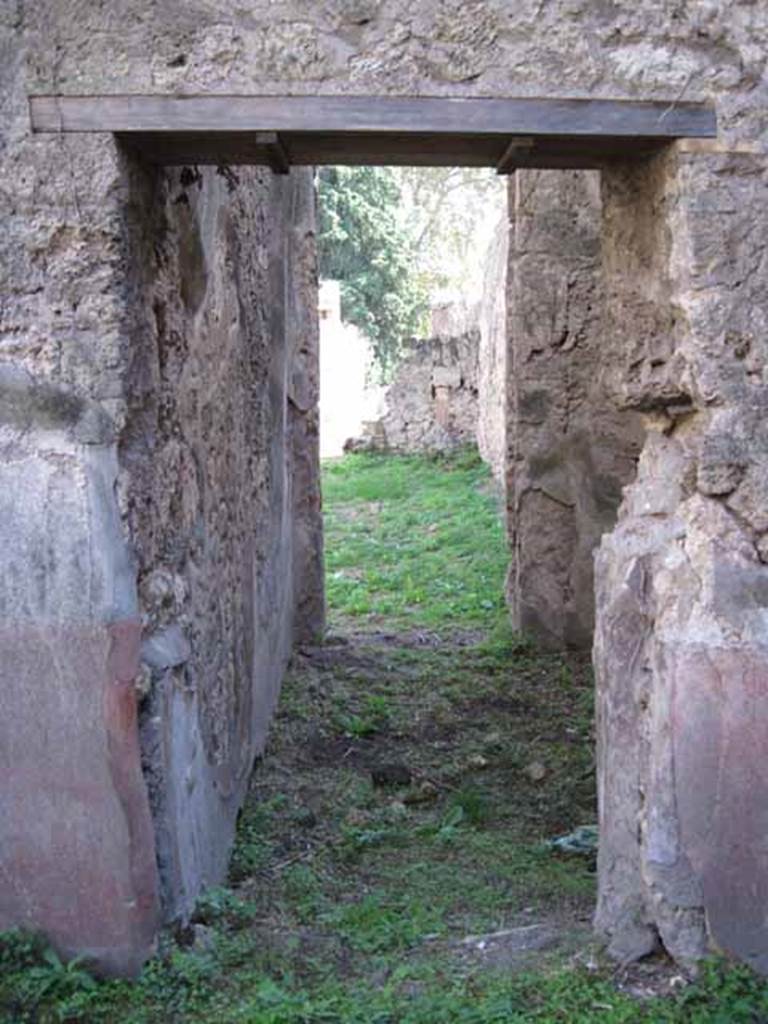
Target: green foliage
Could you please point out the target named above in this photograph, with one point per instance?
(19, 949)
(473, 805)
(252, 846)
(454, 212)
(220, 905)
(366, 245)
(381, 923)
(40, 976)
(373, 717)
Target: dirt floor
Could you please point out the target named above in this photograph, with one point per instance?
(396, 859)
(419, 777)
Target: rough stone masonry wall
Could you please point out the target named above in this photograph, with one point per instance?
(206, 484)
(682, 627)
(431, 404)
(681, 648)
(160, 517)
(570, 451)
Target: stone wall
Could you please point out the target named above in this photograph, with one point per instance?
(450, 390)
(682, 587)
(160, 514)
(570, 451)
(431, 404)
(682, 629)
(219, 385)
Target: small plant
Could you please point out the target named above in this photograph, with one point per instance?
(473, 804)
(303, 890)
(450, 824)
(253, 842)
(52, 980)
(356, 839)
(62, 978)
(20, 949)
(371, 718)
(220, 904)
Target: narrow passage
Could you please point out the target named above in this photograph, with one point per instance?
(391, 864)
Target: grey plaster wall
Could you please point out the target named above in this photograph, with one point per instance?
(493, 379)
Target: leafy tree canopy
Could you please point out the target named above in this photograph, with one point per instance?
(454, 213)
(367, 245)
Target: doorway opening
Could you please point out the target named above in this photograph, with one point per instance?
(215, 731)
(426, 758)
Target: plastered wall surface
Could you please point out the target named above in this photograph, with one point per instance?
(681, 627)
(493, 381)
(161, 520)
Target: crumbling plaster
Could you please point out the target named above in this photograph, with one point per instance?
(681, 625)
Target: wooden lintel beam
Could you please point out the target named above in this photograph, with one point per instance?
(365, 114)
(277, 158)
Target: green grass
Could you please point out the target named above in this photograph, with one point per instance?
(351, 903)
(413, 542)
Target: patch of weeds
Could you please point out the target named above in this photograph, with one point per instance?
(356, 839)
(20, 949)
(303, 890)
(380, 924)
(220, 905)
(474, 805)
(33, 976)
(253, 843)
(371, 716)
(725, 993)
(506, 646)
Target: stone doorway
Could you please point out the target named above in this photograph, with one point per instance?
(679, 581)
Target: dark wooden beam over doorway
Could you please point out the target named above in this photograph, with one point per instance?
(279, 131)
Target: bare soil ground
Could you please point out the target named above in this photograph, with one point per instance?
(392, 863)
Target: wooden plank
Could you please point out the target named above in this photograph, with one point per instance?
(365, 114)
(307, 148)
(395, 148)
